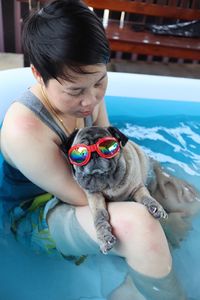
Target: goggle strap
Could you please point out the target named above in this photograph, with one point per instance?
(70, 140)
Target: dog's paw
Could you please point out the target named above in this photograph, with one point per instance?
(104, 231)
(154, 208)
(107, 243)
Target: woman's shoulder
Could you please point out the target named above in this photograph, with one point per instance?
(17, 128)
(21, 128)
(19, 118)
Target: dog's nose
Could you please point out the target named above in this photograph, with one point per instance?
(95, 155)
(97, 172)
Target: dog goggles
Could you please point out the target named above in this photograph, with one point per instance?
(106, 147)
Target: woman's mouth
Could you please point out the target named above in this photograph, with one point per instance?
(86, 113)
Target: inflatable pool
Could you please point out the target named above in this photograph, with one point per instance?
(162, 114)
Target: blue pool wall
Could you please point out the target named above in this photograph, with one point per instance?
(145, 89)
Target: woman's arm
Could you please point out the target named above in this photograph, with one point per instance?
(33, 149)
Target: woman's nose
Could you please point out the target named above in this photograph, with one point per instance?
(89, 99)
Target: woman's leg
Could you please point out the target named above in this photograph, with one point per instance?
(140, 237)
(141, 242)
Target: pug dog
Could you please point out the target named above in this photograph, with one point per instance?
(110, 169)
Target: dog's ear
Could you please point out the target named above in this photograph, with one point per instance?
(118, 135)
(70, 140)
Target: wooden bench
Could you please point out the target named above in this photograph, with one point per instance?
(124, 39)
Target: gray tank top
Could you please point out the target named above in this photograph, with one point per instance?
(14, 186)
(35, 105)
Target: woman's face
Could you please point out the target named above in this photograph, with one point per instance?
(78, 98)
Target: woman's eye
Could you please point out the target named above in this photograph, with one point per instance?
(98, 84)
(101, 83)
(76, 94)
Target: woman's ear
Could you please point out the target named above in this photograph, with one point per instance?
(37, 75)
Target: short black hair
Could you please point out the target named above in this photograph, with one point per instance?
(64, 33)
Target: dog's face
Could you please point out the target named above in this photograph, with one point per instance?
(99, 173)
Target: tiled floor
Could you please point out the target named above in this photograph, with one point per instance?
(154, 68)
(12, 60)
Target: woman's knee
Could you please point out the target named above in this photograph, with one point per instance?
(140, 236)
(131, 219)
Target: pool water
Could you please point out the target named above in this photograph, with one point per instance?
(168, 131)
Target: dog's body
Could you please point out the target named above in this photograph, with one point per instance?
(124, 177)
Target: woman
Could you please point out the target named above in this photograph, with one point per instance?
(68, 51)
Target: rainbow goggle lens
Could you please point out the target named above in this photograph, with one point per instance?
(106, 147)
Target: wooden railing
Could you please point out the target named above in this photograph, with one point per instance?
(120, 17)
(123, 37)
